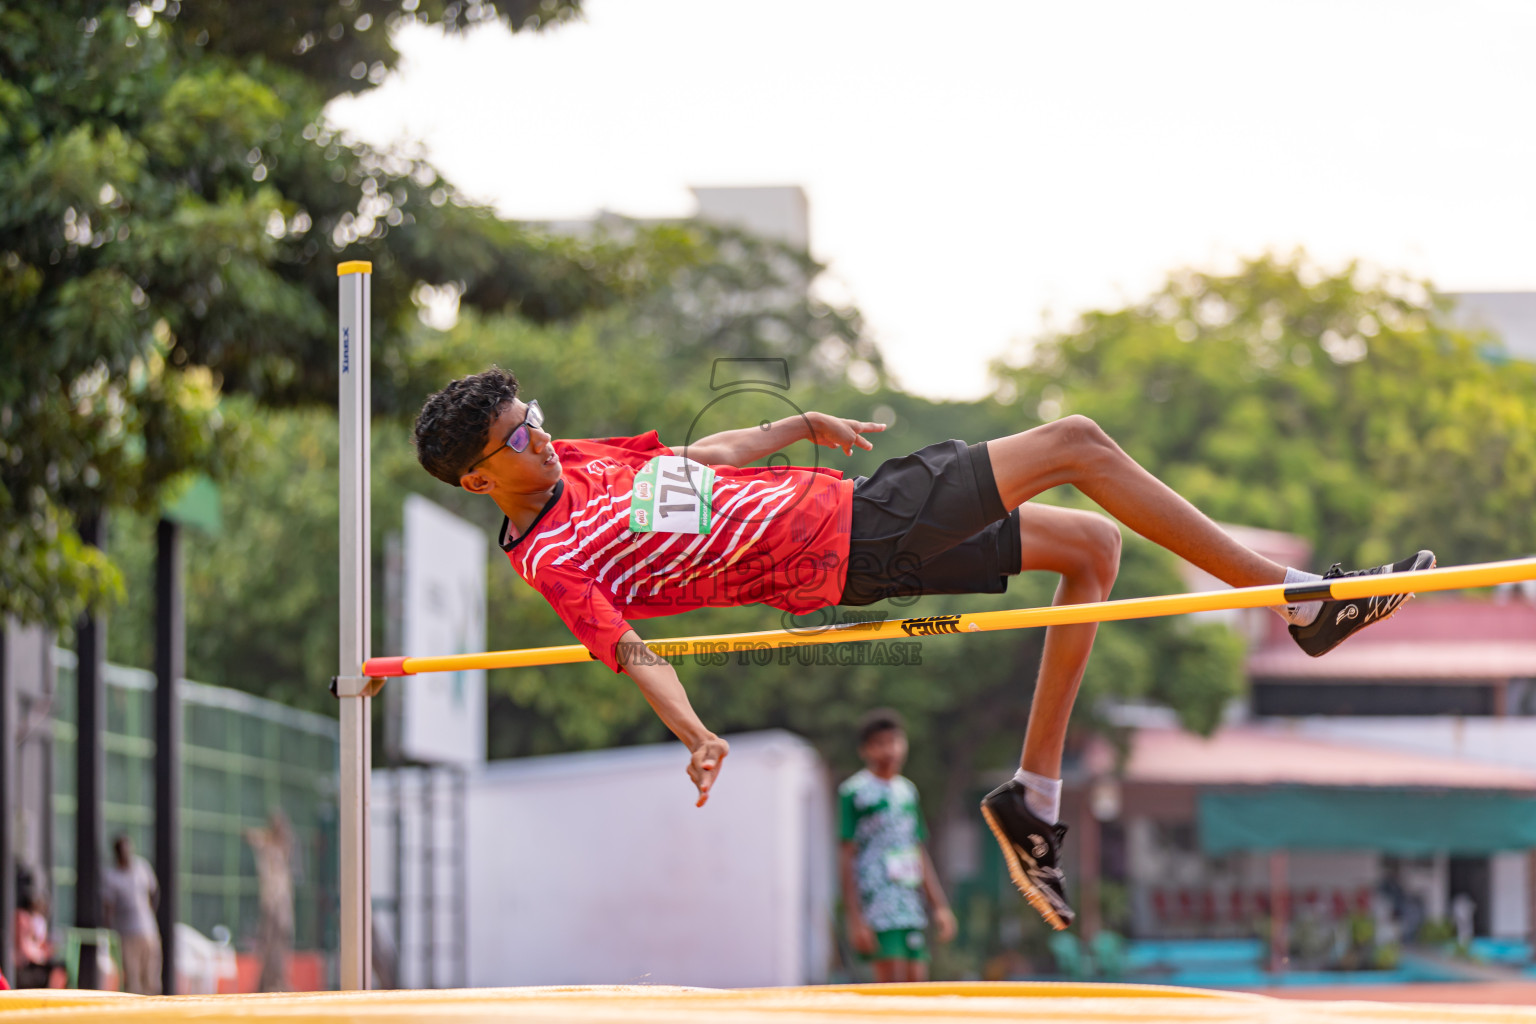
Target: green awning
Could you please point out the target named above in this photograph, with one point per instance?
(1403, 822)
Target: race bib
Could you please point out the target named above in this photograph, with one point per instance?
(671, 495)
(905, 867)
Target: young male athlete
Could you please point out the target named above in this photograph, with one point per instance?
(889, 882)
(626, 528)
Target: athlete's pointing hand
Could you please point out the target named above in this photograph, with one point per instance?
(837, 432)
(704, 765)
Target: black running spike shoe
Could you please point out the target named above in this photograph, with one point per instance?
(1339, 620)
(1032, 851)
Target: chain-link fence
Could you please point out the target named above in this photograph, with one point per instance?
(241, 758)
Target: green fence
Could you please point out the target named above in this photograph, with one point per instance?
(242, 756)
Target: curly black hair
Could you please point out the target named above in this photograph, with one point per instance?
(878, 721)
(454, 424)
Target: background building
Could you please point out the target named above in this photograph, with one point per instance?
(1510, 315)
(1352, 804)
(780, 213)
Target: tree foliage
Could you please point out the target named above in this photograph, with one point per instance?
(347, 45)
(1348, 410)
(172, 206)
(261, 597)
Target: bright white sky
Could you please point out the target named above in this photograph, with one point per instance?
(978, 170)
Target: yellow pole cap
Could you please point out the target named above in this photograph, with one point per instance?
(354, 267)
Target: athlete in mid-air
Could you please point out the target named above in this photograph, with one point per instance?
(625, 528)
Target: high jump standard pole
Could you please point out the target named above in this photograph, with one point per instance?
(354, 691)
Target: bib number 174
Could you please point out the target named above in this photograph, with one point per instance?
(672, 495)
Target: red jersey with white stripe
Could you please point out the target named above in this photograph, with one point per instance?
(779, 536)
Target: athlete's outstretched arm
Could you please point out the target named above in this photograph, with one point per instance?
(664, 692)
(740, 447)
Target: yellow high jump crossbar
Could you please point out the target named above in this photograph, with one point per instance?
(1458, 577)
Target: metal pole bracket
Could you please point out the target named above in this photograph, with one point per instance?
(355, 686)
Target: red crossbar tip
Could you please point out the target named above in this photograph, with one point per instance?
(376, 668)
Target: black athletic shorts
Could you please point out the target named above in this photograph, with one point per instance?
(931, 523)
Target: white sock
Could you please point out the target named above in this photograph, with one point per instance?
(1042, 795)
(1305, 612)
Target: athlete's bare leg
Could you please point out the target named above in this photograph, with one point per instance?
(888, 971)
(1076, 451)
(1085, 548)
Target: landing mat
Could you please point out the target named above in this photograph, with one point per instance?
(1035, 1002)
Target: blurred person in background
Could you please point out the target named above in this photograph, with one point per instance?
(273, 849)
(36, 965)
(129, 895)
(889, 883)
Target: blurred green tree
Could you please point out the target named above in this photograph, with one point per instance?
(172, 205)
(339, 45)
(1346, 409)
(262, 599)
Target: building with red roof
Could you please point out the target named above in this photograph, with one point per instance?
(1391, 781)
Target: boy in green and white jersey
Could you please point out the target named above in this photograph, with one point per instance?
(888, 878)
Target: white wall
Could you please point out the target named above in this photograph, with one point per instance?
(597, 868)
(1509, 880)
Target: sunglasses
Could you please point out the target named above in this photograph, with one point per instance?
(521, 434)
